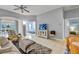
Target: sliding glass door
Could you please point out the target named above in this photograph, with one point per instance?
(7, 26)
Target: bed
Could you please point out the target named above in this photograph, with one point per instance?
(31, 47)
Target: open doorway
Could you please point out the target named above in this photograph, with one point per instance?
(74, 26)
(29, 27)
(71, 27)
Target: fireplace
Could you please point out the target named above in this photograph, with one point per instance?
(52, 32)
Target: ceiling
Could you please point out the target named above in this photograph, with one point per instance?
(34, 9)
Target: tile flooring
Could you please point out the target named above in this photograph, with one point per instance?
(57, 46)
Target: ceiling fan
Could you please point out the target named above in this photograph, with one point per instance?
(22, 8)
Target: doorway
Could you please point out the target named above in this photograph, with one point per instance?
(71, 26)
(29, 27)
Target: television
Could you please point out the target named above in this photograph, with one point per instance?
(43, 27)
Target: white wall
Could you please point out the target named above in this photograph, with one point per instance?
(74, 13)
(20, 27)
(55, 21)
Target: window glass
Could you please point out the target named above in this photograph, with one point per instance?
(4, 26)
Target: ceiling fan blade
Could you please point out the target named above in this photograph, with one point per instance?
(26, 10)
(16, 8)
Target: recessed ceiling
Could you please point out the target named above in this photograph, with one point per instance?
(34, 9)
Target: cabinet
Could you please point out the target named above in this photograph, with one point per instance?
(43, 33)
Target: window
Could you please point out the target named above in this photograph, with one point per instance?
(6, 26)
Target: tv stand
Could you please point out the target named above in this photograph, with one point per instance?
(43, 33)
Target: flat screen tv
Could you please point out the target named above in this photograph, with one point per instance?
(43, 27)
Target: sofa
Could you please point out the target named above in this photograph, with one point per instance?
(5, 45)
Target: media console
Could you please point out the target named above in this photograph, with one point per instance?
(43, 31)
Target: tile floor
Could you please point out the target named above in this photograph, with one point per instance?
(57, 46)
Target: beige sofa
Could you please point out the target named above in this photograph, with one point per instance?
(6, 47)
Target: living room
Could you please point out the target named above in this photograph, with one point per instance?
(44, 26)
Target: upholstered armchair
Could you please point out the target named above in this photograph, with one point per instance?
(72, 48)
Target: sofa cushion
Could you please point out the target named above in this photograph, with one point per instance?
(3, 41)
(23, 44)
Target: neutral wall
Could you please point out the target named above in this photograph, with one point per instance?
(55, 21)
(20, 27)
(74, 13)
